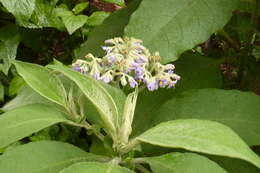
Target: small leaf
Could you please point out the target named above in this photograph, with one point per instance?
(200, 136)
(118, 2)
(128, 116)
(9, 41)
(175, 26)
(95, 167)
(43, 81)
(72, 22)
(43, 157)
(183, 162)
(23, 121)
(97, 18)
(99, 95)
(80, 7)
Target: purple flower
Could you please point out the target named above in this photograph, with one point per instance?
(107, 77)
(96, 75)
(170, 72)
(141, 59)
(152, 85)
(111, 58)
(77, 68)
(132, 83)
(107, 49)
(163, 83)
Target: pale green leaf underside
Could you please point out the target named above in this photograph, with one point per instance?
(43, 157)
(200, 136)
(95, 167)
(43, 81)
(96, 93)
(174, 26)
(183, 162)
(24, 121)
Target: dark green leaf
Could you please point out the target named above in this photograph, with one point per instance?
(174, 26)
(118, 2)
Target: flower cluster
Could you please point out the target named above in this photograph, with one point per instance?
(127, 61)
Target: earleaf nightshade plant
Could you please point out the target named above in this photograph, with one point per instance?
(126, 106)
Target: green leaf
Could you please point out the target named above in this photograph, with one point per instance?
(43, 81)
(97, 18)
(23, 121)
(118, 2)
(183, 162)
(200, 136)
(174, 26)
(26, 96)
(113, 26)
(21, 9)
(15, 85)
(108, 105)
(43, 157)
(95, 167)
(9, 41)
(236, 109)
(80, 7)
(72, 22)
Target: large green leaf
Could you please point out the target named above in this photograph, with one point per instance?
(43, 81)
(23, 121)
(21, 9)
(9, 41)
(183, 162)
(113, 26)
(107, 100)
(196, 72)
(43, 157)
(95, 167)
(236, 109)
(200, 136)
(174, 26)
